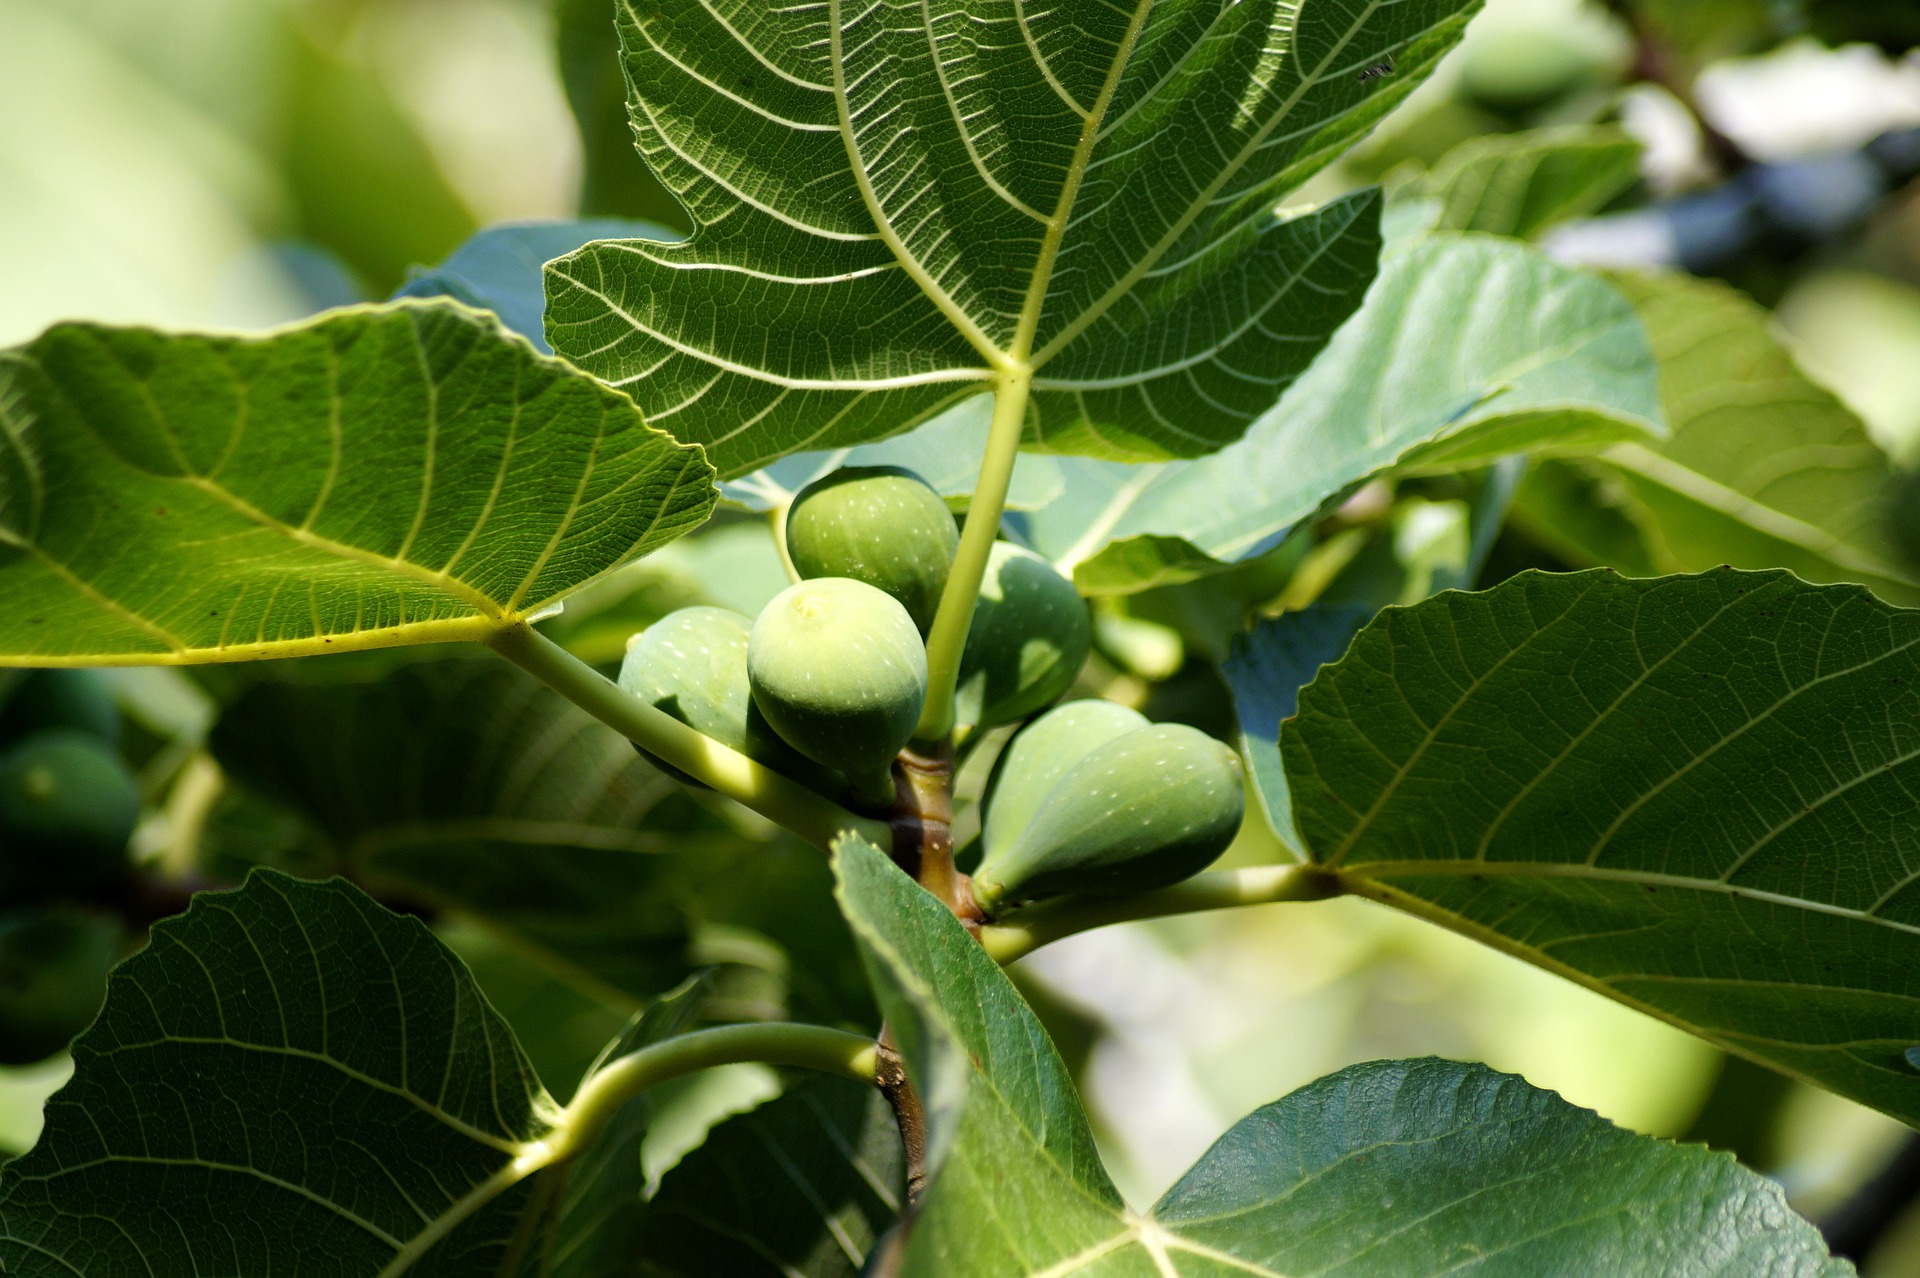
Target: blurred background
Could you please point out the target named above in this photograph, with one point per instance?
(243, 163)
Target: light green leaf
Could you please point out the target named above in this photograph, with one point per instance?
(839, 1187)
(1468, 348)
(1764, 469)
(1383, 1170)
(289, 1079)
(379, 476)
(1520, 184)
(1693, 794)
(472, 787)
(900, 204)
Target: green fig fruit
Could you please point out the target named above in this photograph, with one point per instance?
(877, 524)
(76, 699)
(1034, 761)
(692, 664)
(838, 669)
(53, 978)
(1142, 811)
(1029, 638)
(67, 808)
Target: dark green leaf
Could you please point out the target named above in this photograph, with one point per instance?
(898, 203)
(1764, 469)
(375, 477)
(1384, 1170)
(799, 1188)
(289, 1079)
(1434, 1167)
(597, 1206)
(499, 269)
(1467, 349)
(1691, 793)
(470, 786)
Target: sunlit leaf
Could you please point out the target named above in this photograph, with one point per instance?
(898, 205)
(1520, 184)
(1467, 349)
(1693, 794)
(1764, 468)
(378, 476)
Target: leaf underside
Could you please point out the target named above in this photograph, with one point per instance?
(1468, 348)
(899, 202)
(1694, 794)
(380, 475)
(1386, 1169)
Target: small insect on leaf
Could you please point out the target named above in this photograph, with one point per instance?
(1378, 71)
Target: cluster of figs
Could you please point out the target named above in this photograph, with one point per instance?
(826, 686)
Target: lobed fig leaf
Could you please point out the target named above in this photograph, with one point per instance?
(1142, 811)
(1029, 638)
(838, 669)
(692, 664)
(53, 978)
(879, 524)
(67, 808)
(1036, 759)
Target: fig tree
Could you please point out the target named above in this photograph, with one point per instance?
(1141, 811)
(1034, 761)
(76, 699)
(67, 808)
(877, 524)
(838, 669)
(1029, 638)
(53, 978)
(693, 665)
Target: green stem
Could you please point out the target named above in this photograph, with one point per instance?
(948, 638)
(813, 817)
(1219, 890)
(777, 517)
(816, 1047)
(620, 1080)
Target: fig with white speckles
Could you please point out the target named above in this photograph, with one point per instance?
(1143, 810)
(1029, 638)
(692, 664)
(839, 670)
(877, 524)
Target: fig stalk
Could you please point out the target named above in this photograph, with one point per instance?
(816, 819)
(948, 638)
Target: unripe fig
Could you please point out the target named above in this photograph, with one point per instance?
(67, 808)
(1034, 761)
(839, 671)
(692, 664)
(1029, 638)
(1142, 811)
(877, 524)
(53, 978)
(76, 699)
